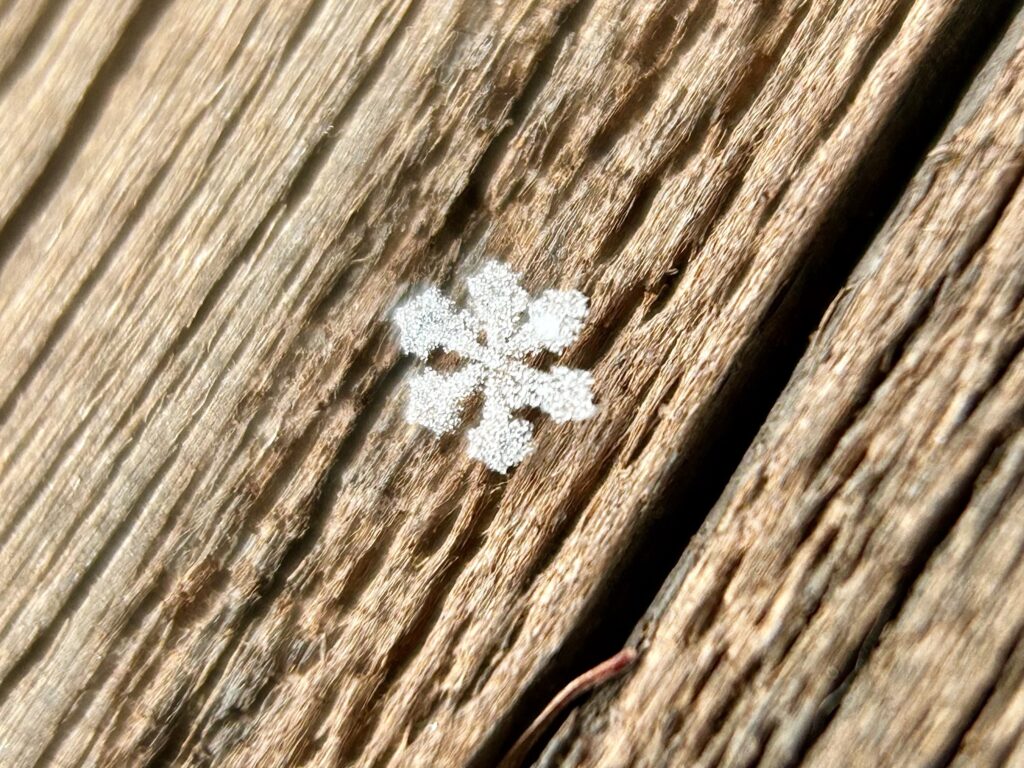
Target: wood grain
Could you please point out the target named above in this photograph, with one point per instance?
(221, 545)
(854, 598)
(57, 60)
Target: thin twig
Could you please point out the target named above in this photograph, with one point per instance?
(602, 673)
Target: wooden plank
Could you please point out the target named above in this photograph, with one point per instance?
(220, 542)
(882, 503)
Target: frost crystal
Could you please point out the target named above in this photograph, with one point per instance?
(501, 328)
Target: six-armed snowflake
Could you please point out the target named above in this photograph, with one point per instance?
(495, 335)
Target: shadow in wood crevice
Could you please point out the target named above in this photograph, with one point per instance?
(85, 288)
(986, 226)
(46, 635)
(878, 46)
(666, 41)
(885, 361)
(147, 602)
(136, 30)
(467, 204)
(322, 148)
(306, 22)
(31, 43)
(175, 736)
(409, 643)
(650, 573)
(956, 738)
(950, 508)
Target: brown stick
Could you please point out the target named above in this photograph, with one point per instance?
(602, 673)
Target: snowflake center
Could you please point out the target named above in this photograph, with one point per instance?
(491, 358)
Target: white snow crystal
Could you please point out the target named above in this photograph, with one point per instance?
(495, 339)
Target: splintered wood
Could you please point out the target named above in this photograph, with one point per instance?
(220, 542)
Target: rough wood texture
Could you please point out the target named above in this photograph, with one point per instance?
(219, 542)
(897, 447)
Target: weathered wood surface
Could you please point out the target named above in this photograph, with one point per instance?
(220, 543)
(896, 450)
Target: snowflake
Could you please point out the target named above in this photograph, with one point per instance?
(501, 328)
